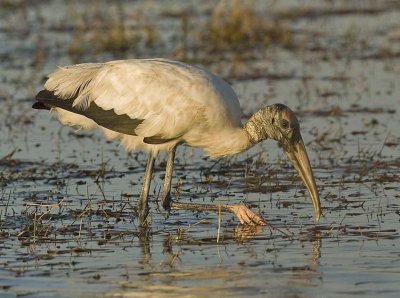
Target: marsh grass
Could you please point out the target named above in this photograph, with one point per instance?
(237, 27)
(103, 33)
(39, 221)
(12, 4)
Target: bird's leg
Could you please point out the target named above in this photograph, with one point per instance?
(166, 193)
(242, 212)
(143, 205)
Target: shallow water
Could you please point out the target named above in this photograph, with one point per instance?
(68, 224)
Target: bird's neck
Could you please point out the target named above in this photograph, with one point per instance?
(228, 141)
(255, 128)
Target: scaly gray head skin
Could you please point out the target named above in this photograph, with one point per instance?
(279, 123)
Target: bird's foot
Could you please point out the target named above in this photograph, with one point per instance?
(246, 216)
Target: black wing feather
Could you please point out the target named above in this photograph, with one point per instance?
(107, 118)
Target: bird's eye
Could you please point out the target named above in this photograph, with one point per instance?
(284, 123)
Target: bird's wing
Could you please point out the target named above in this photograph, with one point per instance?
(105, 118)
(160, 97)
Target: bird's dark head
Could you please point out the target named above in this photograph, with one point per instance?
(280, 123)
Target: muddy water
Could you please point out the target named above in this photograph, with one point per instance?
(68, 224)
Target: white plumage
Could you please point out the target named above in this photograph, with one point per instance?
(176, 101)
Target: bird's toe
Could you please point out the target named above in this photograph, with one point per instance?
(246, 216)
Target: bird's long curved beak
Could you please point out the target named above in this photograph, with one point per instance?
(297, 154)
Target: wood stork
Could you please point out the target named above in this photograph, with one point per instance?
(157, 104)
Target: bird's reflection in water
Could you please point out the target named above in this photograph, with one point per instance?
(144, 242)
(308, 275)
(313, 261)
(174, 269)
(316, 248)
(172, 256)
(246, 232)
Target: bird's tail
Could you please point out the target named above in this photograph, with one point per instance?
(41, 100)
(47, 99)
(40, 106)
(74, 82)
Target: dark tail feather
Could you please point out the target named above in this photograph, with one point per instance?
(47, 100)
(45, 94)
(42, 97)
(40, 106)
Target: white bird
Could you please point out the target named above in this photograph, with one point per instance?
(157, 104)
